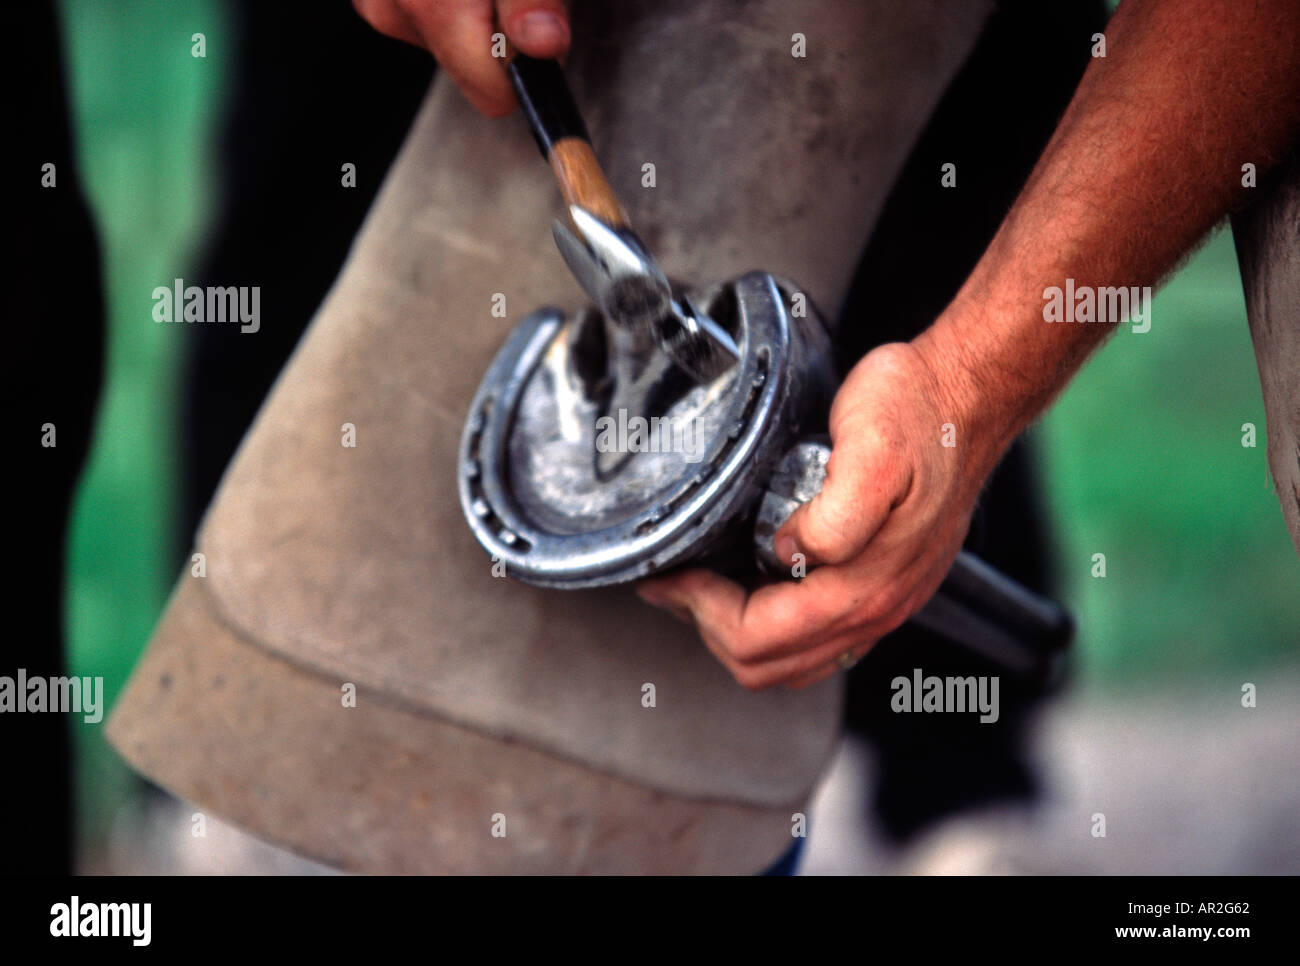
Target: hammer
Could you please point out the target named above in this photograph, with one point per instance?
(602, 251)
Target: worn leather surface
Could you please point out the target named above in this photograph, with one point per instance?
(386, 788)
(1268, 248)
(328, 564)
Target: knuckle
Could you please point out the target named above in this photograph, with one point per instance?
(823, 534)
(749, 652)
(883, 445)
(895, 358)
(876, 608)
(783, 611)
(868, 614)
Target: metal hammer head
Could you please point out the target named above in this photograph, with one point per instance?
(627, 285)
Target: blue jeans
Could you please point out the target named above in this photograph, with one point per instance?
(788, 863)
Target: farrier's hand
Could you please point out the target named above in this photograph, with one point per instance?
(884, 531)
(459, 34)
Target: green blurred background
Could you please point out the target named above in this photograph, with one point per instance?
(1142, 456)
(145, 112)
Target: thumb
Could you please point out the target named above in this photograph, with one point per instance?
(538, 28)
(865, 480)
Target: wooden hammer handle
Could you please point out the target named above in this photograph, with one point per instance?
(562, 137)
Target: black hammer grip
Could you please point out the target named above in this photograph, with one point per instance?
(557, 126)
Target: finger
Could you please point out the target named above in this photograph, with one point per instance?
(929, 581)
(647, 592)
(866, 478)
(830, 669)
(748, 676)
(386, 17)
(869, 608)
(810, 666)
(538, 28)
(689, 589)
(459, 32)
(888, 620)
(670, 593)
(772, 622)
(816, 677)
(755, 663)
